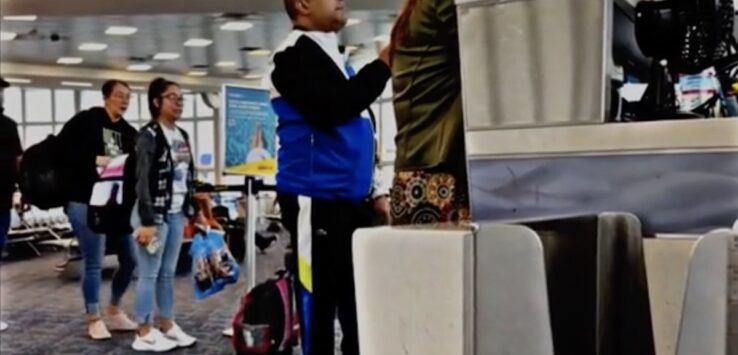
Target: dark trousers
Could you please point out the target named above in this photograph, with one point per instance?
(327, 288)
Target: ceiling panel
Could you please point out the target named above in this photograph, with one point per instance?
(136, 7)
(35, 43)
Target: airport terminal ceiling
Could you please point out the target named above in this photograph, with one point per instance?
(231, 54)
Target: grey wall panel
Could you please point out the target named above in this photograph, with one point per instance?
(704, 321)
(668, 192)
(533, 62)
(512, 312)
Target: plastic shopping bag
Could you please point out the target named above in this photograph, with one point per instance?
(213, 266)
(224, 266)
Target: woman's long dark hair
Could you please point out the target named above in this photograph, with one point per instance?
(156, 88)
(402, 25)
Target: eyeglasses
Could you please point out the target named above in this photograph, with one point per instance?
(126, 97)
(174, 97)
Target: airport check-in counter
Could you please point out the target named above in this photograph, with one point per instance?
(528, 281)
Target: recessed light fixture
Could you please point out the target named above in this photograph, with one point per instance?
(225, 64)
(21, 18)
(7, 36)
(92, 47)
(198, 42)
(353, 22)
(18, 80)
(121, 30)
(236, 26)
(260, 52)
(69, 60)
(186, 91)
(166, 56)
(197, 73)
(252, 76)
(139, 67)
(136, 87)
(79, 84)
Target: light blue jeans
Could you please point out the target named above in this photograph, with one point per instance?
(92, 246)
(156, 271)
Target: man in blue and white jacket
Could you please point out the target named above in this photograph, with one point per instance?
(325, 165)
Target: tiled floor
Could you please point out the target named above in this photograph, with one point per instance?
(46, 317)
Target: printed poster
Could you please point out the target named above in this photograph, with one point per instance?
(249, 128)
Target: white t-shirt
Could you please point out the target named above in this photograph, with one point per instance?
(181, 160)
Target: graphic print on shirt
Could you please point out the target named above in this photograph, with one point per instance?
(113, 142)
(181, 161)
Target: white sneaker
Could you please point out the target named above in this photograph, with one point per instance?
(180, 337)
(98, 331)
(154, 341)
(228, 332)
(3, 326)
(120, 322)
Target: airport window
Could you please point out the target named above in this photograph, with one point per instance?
(38, 105)
(145, 114)
(14, 104)
(133, 113)
(205, 144)
(89, 99)
(35, 134)
(207, 176)
(188, 108)
(388, 129)
(232, 180)
(203, 110)
(189, 127)
(21, 135)
(64, 105)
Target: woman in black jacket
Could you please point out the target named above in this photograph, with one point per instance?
(89, 141)
(164, 187)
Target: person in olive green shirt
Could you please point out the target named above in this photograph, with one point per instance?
(430, 184)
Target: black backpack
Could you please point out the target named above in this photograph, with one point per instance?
(41, 179)
(265, 324)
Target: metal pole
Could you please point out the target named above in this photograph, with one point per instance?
(732, 314)
(251, 212)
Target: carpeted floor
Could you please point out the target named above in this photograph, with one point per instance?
(45, 313)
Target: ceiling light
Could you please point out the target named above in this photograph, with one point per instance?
(198, 42)
(139, 67)
(21, 18)
(18, 80)
(166, 56)
(252, 76)
(352, 22)
(121, 30)
(260, 52)
(77, 84)
(186, 91)
(92, 47)
(225, 64)
(69, 60)
(197, 73)
(236, 26)
(135, 87)
(7, 36)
